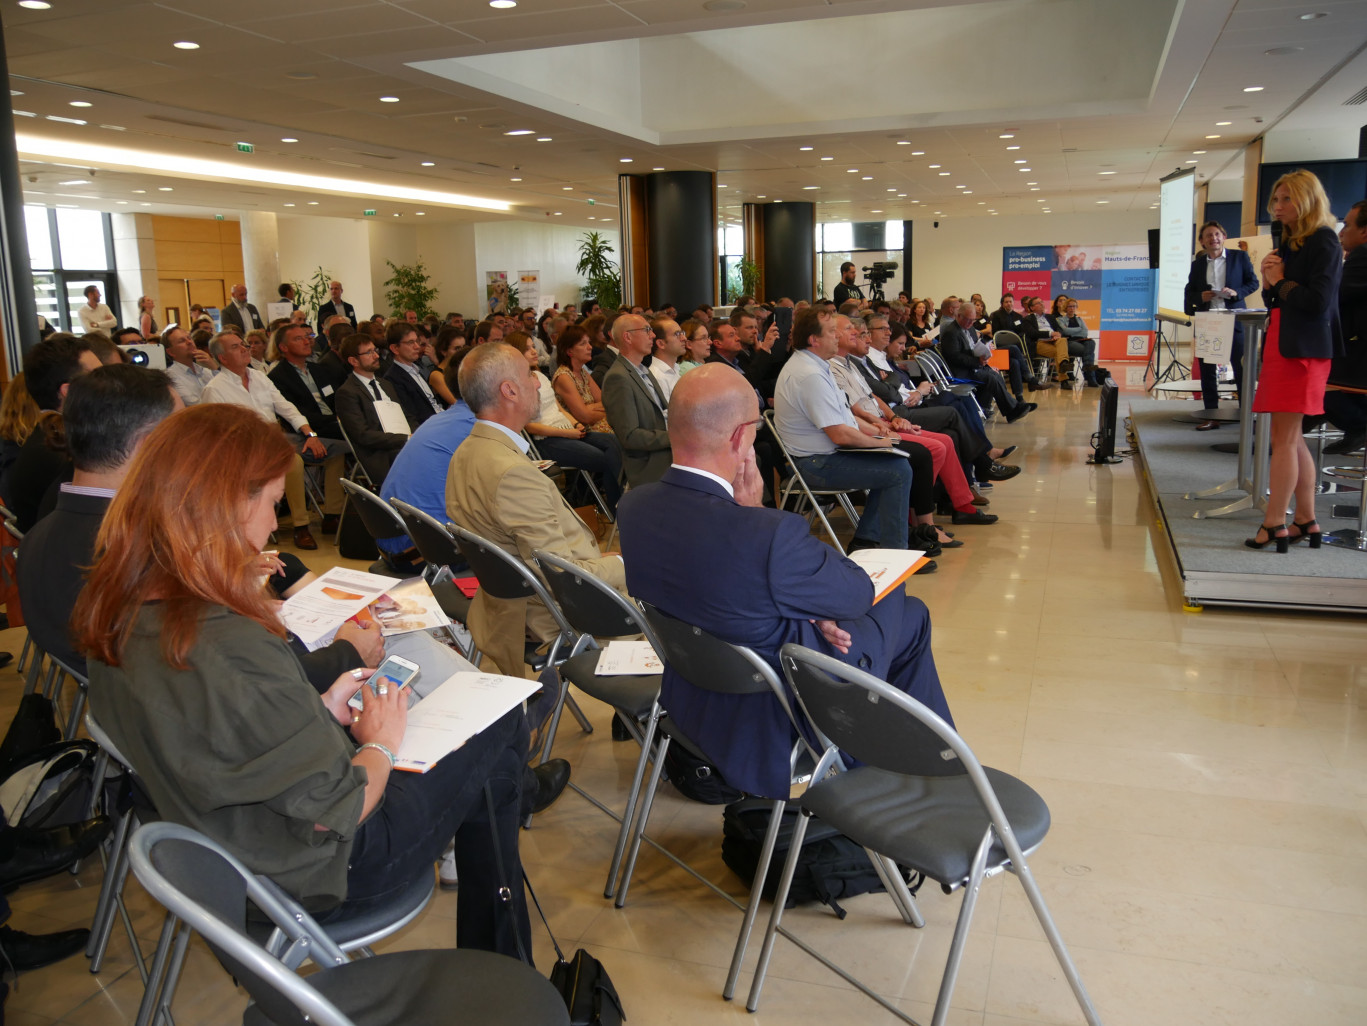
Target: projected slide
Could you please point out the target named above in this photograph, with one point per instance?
(1176, 237)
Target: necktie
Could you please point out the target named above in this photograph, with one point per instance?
(375, 387)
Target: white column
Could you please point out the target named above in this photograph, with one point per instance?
(260, 258)
(135, 257)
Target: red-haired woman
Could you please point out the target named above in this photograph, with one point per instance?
(192, 678)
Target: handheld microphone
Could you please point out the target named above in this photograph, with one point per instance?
(1276, 235)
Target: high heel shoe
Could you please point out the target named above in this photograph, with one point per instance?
(1275, 533)
(1304, 532)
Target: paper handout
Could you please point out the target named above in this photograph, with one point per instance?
(888, 568)
(627, 657)
(458, 709)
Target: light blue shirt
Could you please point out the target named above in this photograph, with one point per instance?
(418, 474)
(807, 400)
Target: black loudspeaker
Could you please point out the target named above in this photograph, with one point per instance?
(1103, 442)
(1154, 246)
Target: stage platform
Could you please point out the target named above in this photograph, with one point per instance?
(1215, 566)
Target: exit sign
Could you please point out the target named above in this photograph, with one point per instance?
(369, 213)
(218, 217)
(245, 148)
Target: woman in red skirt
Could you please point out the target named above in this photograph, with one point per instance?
(1300, 287)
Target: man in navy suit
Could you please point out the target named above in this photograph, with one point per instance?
(336, 306)
(410, 383)
(756, 577)
(1219, 280)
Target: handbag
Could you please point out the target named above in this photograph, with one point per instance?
(583, 983)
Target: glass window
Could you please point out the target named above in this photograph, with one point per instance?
(39, 238)
(80, 234)
(734, 240)
(894, 235)
(839, 237)
(45, 297)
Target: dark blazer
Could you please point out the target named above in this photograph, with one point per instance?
(329, 309)
(292, 387)
(598, 366)
(1003, 321)
(330, 369)
(956, 346)
(416, 406)
(1351, 367)
(634, 410)
(229, 315)
(373, 446)
(1307, 296)
(758, 579)
(30, 476)
(51, 561)
(1030, 331)
(1239, 276)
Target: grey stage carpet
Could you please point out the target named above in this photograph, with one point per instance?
(1179, 460)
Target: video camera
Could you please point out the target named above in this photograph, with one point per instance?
(151, 355)
(877, 275)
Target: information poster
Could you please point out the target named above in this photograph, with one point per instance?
(529, 290)
(496, 292)
(1113, 286)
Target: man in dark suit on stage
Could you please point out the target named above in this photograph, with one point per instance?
(335, 307)
(754, 576)
(356, 398)
(1220, 279)
(635, 405)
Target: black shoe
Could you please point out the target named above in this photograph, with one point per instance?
(976, 517)
(1350, 443)
(1007, 452)
(331, 523)
(619, 728)
(929, 567)
(543, 785)
(1041, 386)
(34, 854)
(861, 543)
(1021, 410)
(35, 950)
(6, 658)
(1002, 472)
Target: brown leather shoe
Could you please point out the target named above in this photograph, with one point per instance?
(303, 538)
(979, 499)
(331, 522)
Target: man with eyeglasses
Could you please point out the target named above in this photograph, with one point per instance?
(357, 399)
(668, 347)
(635, 403)
(755, 577)
(241, 384)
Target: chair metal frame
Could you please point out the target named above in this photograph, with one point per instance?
(555, 567)
(998, 830)
(587, 477)
(935, 369)
(809, 494)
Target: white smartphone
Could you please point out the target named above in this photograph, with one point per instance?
(395, 671)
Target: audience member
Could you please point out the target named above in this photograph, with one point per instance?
(94, 315)
(240, 314)
(356, 400)
(190, 367)
(966, 355)
(576, 391)
(846, 289)
(294, 377)
(18, 418)
(336, 306)
(410, 384)
(670, 345)
(634, 403)
(697, 345)
(756, 577)
(147, 324)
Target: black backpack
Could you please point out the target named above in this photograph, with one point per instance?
(830, 867)
(697, 779)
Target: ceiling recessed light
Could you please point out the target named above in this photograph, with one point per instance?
(313, 203)
(1314, 15)
(657, 169)
(520, 131)
(968, 192)
(398, 215)
(810, 187)
(722, 185)
(1018, 161)
(429, 163)
(557, 213)
(1024, 169)
(960, 186)
(1253, 89)
(761, 197)
(568, 188)
(1041, 201)
(1223, 124)
(503, 5)
(903, 142)
(76, 181)
(875, 211)
(139, 192)
(289, 139)
(35, 5)
(1102, 202)
(1007, 135)
(1191, 162)
(1198, 153)
(804, 148)
(1212, 137)
(851, 170)
(1034, 188)
(389, 99)
(944, 174)
(1032, 183)
(420, 213)
(289, 204)
(901, 195)
(544, 138)
(933, 166)
(918, 153)
(65, 121)
(515, 179)
(79, 103)
(1013, 147)
(1105, 172)
(624, 160)
(828, 158)
(185, 44)
(122, 203)
(866, 178)
(165, 188)
(892, 188)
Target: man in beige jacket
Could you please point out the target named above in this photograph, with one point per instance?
(494, 490)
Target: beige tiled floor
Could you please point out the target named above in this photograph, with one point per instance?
(1207, 776)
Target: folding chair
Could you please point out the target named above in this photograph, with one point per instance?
(381, 523)
(597, 610)
(935, 369)
(808, 494)
(921, 798)
(1040, 363)
(711, 664)
(198, 882)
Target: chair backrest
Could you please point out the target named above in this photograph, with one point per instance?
(707, 662)
(360, 467)
(590, 604)
(434, 543)
(378, 516)
(503, 576)
(871, 720)
(206, 888)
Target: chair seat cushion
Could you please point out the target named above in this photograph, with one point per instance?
(930, 824)
(630, 693)
(437, 986)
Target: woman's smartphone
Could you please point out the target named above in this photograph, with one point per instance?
(395, 671)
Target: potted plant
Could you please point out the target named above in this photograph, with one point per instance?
(602, 277)
(409, 288)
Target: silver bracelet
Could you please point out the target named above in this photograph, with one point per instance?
(379, 748)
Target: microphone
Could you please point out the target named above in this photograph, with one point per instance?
(1276, 235)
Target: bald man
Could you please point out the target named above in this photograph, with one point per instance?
(754, 576)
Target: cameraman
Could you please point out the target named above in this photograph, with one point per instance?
(847, 289)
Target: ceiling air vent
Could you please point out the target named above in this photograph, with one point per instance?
(1359, 97)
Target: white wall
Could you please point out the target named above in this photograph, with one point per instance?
(553, 250)
(389, 240)
(340, 245)
(448, 252)
(964, 255)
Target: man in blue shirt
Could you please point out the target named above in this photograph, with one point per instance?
(418, 474)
